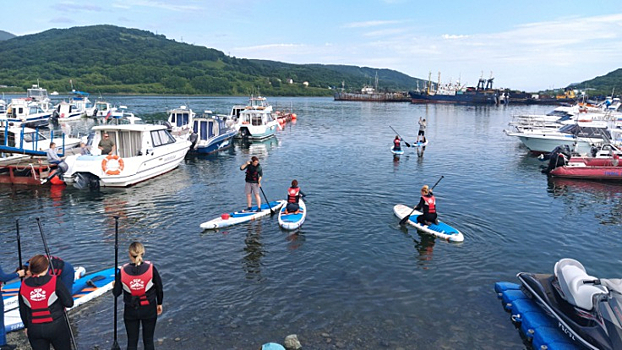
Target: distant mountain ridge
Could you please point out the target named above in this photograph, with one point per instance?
(5, 35)
(604, 84)
(111, 59)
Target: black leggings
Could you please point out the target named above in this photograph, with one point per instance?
(55, 333)
(430, 217)
(133, 326)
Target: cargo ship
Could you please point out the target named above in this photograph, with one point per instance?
(483, 94)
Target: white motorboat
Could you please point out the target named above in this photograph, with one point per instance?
(181, 121)
(580, 137)
(40, 95)
(211, 133)
(143, 151)
(255, 121)
(74, 109)
(26, 111)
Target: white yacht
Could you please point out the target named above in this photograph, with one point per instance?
(143, 151)
(181, 121)
(26, 111)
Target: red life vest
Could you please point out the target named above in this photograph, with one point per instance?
(430, 201)
(138, 285)
(292, 194)
(39, 299)
(397, 143)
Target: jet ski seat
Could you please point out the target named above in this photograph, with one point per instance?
(571, 276)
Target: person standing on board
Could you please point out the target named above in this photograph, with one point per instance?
(5, 277)
(143, 292)
(422, 126)
(106, 145)
(397, 143)
(254, 173)
(427, 204)
(293, 196)
(42, 302)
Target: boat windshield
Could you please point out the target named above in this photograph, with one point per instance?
(581, 131)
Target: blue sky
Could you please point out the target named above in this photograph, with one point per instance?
(527, 45)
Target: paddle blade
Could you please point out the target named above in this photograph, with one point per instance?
(404, 220)
(407, 144)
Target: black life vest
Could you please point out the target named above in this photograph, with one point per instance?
(138, 285)
(39, 299)
(252, 173)
(292, 194)
(430, 201)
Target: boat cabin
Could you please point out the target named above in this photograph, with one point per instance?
(133, 140)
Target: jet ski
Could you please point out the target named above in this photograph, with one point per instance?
(587, 309)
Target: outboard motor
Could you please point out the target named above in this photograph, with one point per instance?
(193, 138)
(84, 180)
(558, 157)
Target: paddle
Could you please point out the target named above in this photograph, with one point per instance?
(115, 343)
(47, 252)
(19, 246)
(267, 201)
(405, 219)
(407, 144)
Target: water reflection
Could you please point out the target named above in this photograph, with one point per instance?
(604, 200)
(424, 246)
(295, 239)
(253, 252)
(258, 147)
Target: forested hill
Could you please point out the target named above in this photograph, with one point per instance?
(5, 35)
(604, 84)
(110, 59)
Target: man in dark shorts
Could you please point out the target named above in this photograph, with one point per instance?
(253, 181)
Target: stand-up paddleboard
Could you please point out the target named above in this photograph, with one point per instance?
(420, 144)
(400, 152)
(85, 289)
(442, 230)
(293, 221)
(238, 217)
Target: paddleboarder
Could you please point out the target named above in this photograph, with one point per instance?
(293, 196)
(42, 302)
(422, 126)
(254, 174)
(397, 143)
(427, 204)
(5, 277)
(143, 292)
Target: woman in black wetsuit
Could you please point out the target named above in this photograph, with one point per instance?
(142, 295)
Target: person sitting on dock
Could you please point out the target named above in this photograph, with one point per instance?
(397, 143)
(53, 158)
(427, 203)
(293, 196)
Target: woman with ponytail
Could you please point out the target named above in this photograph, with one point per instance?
(142, 295)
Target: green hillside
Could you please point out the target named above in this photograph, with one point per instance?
(5, 35)
(603, 85)
(110, 59)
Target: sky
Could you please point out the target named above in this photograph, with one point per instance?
(526, 45)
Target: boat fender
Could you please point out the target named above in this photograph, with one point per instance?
(56, 180)
(116, 171)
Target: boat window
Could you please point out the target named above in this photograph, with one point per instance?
(129, 143)
(213, 128)
(203, 130)
(256, 119)
(161, 137)
(155, 138)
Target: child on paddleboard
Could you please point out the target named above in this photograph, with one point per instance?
(427, 204)
(293, 196)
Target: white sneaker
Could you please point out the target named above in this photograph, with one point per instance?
(44, 181)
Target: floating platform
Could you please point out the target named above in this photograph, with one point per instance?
(534, 324)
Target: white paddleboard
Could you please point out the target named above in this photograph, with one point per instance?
(442, 230)
(238, 217)
(293, 221)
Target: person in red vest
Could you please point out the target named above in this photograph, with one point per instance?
(397, 143)
(142, 290)
(293, 196)
(427, 204)
(42, 302)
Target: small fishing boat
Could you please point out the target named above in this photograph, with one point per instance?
(238, 217)
(27, 112)
(255, 121)
(143, 151)
(211, 133)
(440, 230)
(575, 171)
(292, 221)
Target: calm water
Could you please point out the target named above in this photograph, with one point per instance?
(351, 277)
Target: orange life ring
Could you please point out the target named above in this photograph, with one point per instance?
(116, 171)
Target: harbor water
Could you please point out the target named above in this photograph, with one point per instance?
(351, 277)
